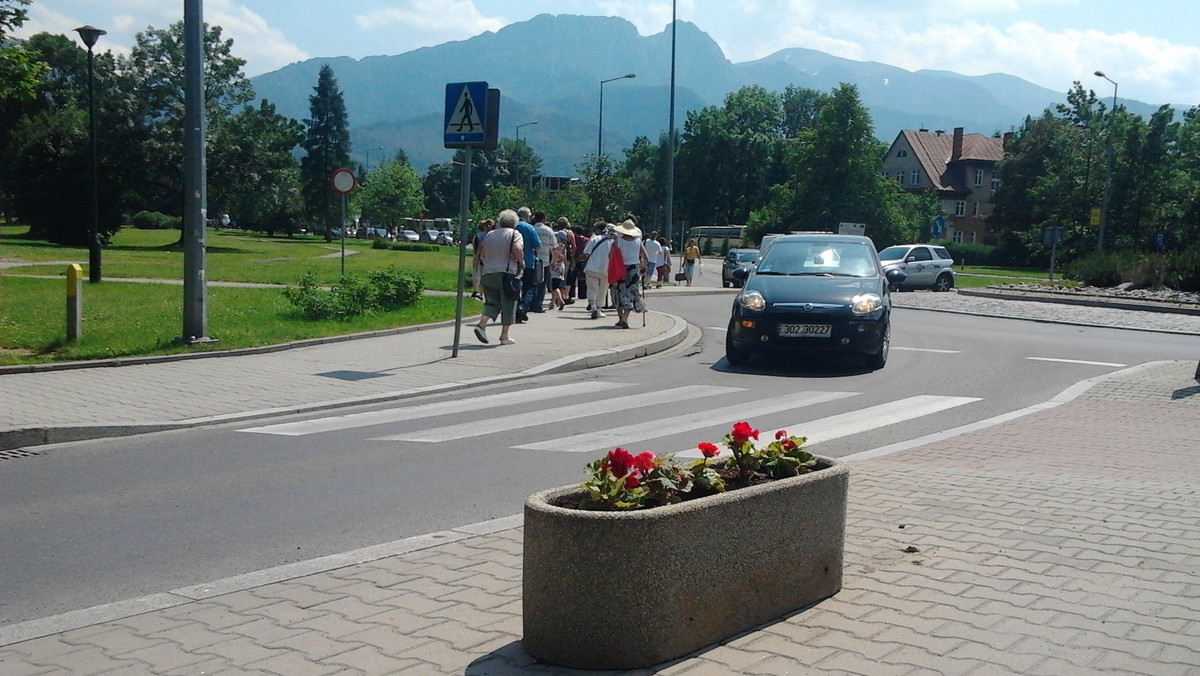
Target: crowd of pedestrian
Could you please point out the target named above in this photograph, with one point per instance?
(525, 265)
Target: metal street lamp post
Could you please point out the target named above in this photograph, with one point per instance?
(1112, 120)
(90, 35)
(524, 125)
(600, 136)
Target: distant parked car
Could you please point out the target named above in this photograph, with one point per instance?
(408, 236)
(926, 265)
(430, 236)
(445, 238)
(735, 259)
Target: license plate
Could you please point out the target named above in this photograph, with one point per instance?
(806, 330)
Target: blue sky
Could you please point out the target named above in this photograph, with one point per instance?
(1151, 48)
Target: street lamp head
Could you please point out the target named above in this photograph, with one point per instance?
(630, 76)
(1100, 73)
(90, 35)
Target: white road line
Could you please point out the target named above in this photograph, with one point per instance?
(862, 420)
(925, 349)
(1077, 361)
(514, 420)
(631, 434)
(353, 420)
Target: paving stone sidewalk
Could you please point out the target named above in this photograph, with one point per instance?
(1063, 542)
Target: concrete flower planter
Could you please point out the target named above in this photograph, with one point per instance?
(625, 590)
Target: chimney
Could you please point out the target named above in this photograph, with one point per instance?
(1008, 137)
(957, 148)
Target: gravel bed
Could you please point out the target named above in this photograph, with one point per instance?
(1049, 312)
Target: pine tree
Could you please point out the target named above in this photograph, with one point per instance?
(327, 148)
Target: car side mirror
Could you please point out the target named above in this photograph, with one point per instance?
(895, 276)
(910, 259)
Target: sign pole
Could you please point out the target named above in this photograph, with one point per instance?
(464, 214)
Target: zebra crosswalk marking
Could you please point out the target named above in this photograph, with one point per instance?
(628, 435)
(862, 420)
(459, 405)
(513, 420)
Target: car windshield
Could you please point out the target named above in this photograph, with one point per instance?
(747, 256)
(893, 253)
(818, 257)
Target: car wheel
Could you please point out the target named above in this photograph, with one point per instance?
(725, 283)
(879, 359)
(736, 356)
(943, 283)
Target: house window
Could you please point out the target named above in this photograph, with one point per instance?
(978, 178)
(902, 153)
(995, 183)
(960, 208)
(900, 176)
(975, 209)
(958, 236)
(914, 178)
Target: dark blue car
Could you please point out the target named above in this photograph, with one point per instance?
(810, 294)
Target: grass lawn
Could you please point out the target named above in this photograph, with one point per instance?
(127, 319)
(233, 256)
(978, 276)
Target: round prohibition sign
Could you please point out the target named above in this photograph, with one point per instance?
(342, 181)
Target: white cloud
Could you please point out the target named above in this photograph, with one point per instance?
(263, 47)
(422, 23)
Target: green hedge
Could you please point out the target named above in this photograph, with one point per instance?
(153, 220)
(389, 289)
(1178, 270)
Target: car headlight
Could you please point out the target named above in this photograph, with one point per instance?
(865, 303)
(753, 300)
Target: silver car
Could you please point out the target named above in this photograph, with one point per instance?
(927, 266)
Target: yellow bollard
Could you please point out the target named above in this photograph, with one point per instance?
(74, 302)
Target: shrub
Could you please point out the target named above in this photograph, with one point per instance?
(1102, 268)
(1182, 270)
(379, 243)
(395, 288)
(153, 220)
(353, 296)
(409, 246)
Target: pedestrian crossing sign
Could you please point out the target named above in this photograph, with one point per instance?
(466, 114)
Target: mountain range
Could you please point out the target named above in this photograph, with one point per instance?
(549, 68)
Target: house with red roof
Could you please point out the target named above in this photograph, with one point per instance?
(960, 168)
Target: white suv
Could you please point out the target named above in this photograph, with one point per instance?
(927, 266)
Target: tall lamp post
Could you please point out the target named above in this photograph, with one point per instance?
(90, 34)
(524, 125)
(600, 136)
(1112, 126)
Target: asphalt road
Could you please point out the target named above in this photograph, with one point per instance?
(106, 520)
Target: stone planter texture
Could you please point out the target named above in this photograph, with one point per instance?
(624, 590)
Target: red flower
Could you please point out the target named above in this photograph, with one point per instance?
(742, 432)
(644, 461)
(780, 434)
(709, 450)
(619, 461)
(631, 481)
(789, 445)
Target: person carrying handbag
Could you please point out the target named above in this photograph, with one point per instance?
(502, 261)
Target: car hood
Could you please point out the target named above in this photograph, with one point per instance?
(812, 289)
